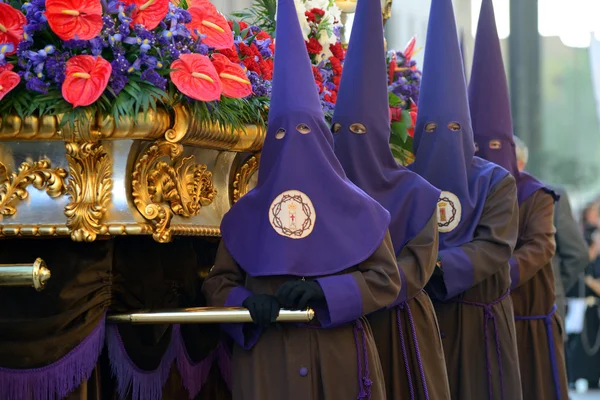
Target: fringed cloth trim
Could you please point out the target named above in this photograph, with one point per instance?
(141, 384)
(193, 375)
(57, 380)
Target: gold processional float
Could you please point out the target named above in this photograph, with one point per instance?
(162, 173)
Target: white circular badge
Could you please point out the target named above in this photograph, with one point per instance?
(292, 215)
(448, 212)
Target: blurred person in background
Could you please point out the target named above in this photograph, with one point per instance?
(583, 348)
(571, 256)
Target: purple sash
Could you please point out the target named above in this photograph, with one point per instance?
(548, 322)
(411, 323)
(489, 315)
(363, 376)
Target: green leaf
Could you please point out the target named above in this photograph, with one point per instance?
(399, 130)
(394, 100)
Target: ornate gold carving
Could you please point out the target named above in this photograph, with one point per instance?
(185, 186)
(90, 185)
(40, 174)
(80, 130)
(177, 126)
(180, 124)
(242, 178)
(386, 6)
(44, 230)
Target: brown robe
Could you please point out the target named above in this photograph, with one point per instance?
(533, 295)
(417, 260)
(271, 369)
(462, 326)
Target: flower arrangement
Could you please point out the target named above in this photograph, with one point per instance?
(126, 56)
(404, 80)
(320, 21)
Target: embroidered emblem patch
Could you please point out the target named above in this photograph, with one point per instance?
(448, 212)
(292, 215)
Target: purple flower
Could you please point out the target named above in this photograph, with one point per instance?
(36, 84)
(260, 87)
(117, 82)
(55, 67)
(151, 76)
(5, 48)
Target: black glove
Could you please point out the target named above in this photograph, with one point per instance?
(264, 309)
(297, 294)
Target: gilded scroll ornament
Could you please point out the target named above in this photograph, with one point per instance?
(40, 174)
(90, 185)
(162, 189)
(241, 184)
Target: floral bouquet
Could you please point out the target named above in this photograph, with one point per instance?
(404, 80)
(321, 26)
(126, 56)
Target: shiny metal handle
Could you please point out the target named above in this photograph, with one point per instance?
(205, 315)
(35, 275)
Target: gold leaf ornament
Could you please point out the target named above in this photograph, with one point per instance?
(39, 174)
(90, 186)
(162, 189)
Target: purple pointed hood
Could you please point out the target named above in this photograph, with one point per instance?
(297, 219)
(361, 126)
(443, 143)
(489, 102)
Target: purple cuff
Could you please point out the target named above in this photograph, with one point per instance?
(458, 271)
(514, 273)
(246, 335)
(343, 298)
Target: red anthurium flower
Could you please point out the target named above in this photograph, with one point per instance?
(410, 48)
(196, 77)
(413, 118)
(11, 26)
(8, 81)
(392, 68)
(87, 77)
(149, 13)
(74, 19)
(206, 20)
(233, 77)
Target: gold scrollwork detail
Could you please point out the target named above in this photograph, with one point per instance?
(40, 174)
(241, 183)
(162, 189)
(89, 190)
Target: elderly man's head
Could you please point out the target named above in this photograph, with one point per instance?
(522, 153)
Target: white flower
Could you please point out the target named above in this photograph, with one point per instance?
(300, 10)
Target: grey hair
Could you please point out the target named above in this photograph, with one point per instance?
(522, 150)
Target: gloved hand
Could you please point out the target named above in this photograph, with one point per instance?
(297, 294)
(264, 309)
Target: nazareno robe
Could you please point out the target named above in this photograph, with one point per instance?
(533, 296)
(398, 354)
(471, 331)
(334, 357)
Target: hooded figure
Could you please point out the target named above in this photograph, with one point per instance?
(304, 236)
(478, 225)
(406, 334)
(539, 337)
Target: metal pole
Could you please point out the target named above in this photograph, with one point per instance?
(35, 275)
(524, 74)
(205, 315)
